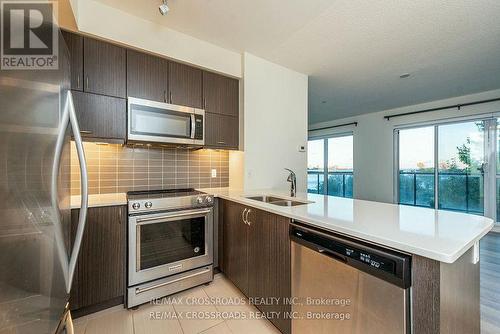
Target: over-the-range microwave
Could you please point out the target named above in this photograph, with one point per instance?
(163, 123)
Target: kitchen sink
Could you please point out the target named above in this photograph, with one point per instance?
(276, 200)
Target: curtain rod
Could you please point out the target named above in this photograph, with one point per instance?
(441, 108)
(334, 126)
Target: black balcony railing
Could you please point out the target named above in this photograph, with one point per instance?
(338, 183)
(458, 191)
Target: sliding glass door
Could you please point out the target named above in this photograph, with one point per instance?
(445, 166)
(316, 166)
(330, 166)
(461, 162)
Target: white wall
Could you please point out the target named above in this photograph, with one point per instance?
(97, 19)
(275, 124)
(373, 140)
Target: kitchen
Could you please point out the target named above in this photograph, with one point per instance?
(172, 184)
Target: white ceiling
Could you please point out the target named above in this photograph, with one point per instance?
(354, 51)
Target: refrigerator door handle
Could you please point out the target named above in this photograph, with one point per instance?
(69, 324)
(84, 190)
(69, 116)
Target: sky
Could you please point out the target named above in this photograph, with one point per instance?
(340, 153)
(416, 147)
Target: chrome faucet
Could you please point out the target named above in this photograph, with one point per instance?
(292, 178)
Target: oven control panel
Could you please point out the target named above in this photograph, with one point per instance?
(203, 200)
(186, 202)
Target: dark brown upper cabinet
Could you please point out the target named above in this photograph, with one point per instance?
(75, 48)
(220, 94)
(221, 131)
(147, 76)
(104, 68)
(101, 118)
(185, 85)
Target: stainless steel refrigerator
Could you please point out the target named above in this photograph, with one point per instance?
(37, 251)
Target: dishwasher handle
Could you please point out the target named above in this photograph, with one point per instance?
(332, 254)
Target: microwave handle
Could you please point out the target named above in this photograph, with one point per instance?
(193, 126)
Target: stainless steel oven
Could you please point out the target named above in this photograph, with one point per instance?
(164, 244)
(170, 237)
(163, 123)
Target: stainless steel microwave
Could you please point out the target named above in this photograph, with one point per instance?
(164, 123)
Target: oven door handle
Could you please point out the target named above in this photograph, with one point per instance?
(142, 290)
(150, 220)
(193, 126)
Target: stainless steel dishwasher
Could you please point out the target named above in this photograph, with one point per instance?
(341, 285)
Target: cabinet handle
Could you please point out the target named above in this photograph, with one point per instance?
(221, 142)
(246, 218)
(85, 132)
(87, 82)
(243, 215)
(170, 96)
(165, 96)
(205, 103)
(78, 81)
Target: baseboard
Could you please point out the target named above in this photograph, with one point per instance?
(96, 308)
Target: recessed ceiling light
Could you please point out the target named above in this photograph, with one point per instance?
(163, 8)
(404, 75)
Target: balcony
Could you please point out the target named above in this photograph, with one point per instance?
(339, 183)
(457, 191)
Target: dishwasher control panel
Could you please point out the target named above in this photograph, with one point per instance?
(387, 264)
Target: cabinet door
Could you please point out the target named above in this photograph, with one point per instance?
(104, 67)
(269, 269)
(185, 85)
(220, 94)
(75, 48)
(100, 274)
(101, 117)
(221, 131)
(235, 245)
(147, 76)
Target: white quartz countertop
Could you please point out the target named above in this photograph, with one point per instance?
(100, 200)
(436, 234)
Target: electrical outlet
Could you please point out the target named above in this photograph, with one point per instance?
(214, 172)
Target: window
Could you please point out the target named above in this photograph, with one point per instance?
(442, 166)
(315, 166)
(416, 166)
(331, 159)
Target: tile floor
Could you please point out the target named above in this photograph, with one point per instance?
(177, 317)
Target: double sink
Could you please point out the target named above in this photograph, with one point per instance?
(276, 200)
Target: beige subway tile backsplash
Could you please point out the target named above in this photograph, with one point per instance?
(115, 168)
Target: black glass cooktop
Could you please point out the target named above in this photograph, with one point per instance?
(162, 193)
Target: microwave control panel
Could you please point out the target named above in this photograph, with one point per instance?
(198, 130)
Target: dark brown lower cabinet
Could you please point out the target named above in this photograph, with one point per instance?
(235, 249)
(101, 118)
(256, 258)
(100, 277)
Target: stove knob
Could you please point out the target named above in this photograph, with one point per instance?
(136, 206)
(209, 199)
(199, 200)
(148, 205)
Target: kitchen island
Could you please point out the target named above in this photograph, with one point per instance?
(444, 248)
(444, 294)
